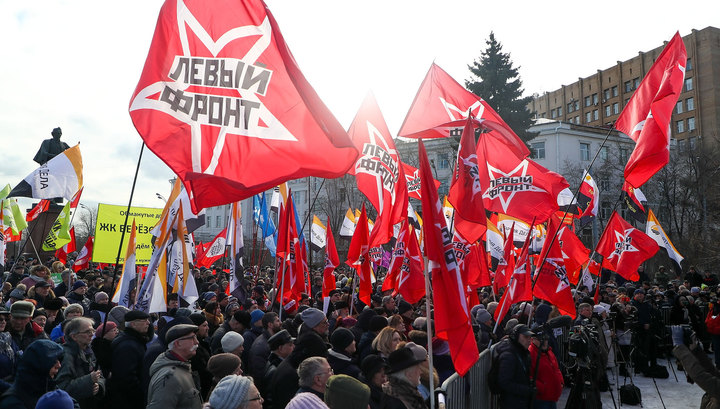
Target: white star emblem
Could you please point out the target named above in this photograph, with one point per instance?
(501, 181)
(472, 170)
(623, 243)
(559, 270)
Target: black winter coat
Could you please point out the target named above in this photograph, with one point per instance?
(128, 350)
(513, 375)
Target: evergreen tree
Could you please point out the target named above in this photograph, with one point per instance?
(496, 81)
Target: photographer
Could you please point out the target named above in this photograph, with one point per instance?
(697, 365)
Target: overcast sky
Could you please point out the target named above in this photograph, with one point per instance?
(75, 64)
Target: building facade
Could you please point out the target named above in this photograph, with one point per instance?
(598, 99)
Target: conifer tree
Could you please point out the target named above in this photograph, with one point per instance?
(495, 80)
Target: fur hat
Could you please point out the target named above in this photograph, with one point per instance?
(222, 365)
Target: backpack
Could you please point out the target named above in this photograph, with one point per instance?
(493, 374)
(630, 395)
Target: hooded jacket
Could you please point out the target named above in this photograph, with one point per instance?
(33, 375)
(74, 376)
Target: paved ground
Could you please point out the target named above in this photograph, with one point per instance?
(675, 394)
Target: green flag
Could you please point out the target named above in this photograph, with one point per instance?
(59, 232)
(13, 216)
(5, 191)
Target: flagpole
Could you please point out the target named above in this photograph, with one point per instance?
(34, 248)
(17, 256)
(282, 288)
(429, 334)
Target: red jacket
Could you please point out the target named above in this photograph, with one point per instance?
(712, 321)
(549, 380)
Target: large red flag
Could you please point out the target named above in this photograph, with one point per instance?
(377, 170)
(551, 282)
(83, 259)
(410, 278)
(291, 282)
(514, 185)
(441, 106)
(359, 258)
(331, 262)
(465, 191)
(397, 259)
(624, 247)
(223, 103)
(573, 251)
(412, 176)
(452, 317)
(646, 118)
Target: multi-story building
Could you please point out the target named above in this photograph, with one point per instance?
(598, 99)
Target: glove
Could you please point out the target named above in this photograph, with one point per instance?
(677, 335)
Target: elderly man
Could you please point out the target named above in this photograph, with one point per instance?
(21, 329)
(313, 374)
(404, 375)
(128, 350)
(79, 375)
(171, 383)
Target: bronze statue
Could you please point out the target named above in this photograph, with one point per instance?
(50, 148)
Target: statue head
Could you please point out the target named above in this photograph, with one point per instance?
(56, 133)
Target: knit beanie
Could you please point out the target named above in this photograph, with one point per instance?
(306, 400)
(346, 392)
(230, 391)
(491, 307)
(341, 338)
(57, 399)
(231, 341)
(117, 315)
(312, 317)
(482, 316)
(377, 323)
(256, 316)
(101, 295)
(222, 365)
(109, 326)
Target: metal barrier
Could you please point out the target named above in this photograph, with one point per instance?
(470, 392)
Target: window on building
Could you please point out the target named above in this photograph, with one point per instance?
(208, 222)
(680, 126)
(604, 183)
(444, 188)
(552, 114)
(218, 220)
(538, 150)
(605, 210)
(636, 83)
(604, 153)
(588, 117)
(577, 119)
(443, 161)
(596, 114)
(614, 91)
(679, 107)
(623, 155)
(628, 86)
(688, 66)
(607, 110)
(606, 93)
(588, 101)
(692, 142)
(616, 108)
(577, 105)
(570, 107)
(595, 99)
(690, 104)
(688, 84)
(584, 151)
(559, 111)
(691, 123)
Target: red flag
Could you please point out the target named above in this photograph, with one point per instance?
(465, 191)
(377, 170)
(331, 262)
(223, 103)
(589, 197)
(412, 176)
(397, 259)
(506, 265)
(551, 282)
(646, 118)
(359, 256)
(291, 282)
(475, 271)
(83, 259)
(624, 247)
(62, 253)
(441, 106)
(213, 251)
(9, 236)
(514, 185)
(452, 317)
(520, 286)
(410, 278)
(573, 251)
(33, 214)
(76, 198)
(633, 198)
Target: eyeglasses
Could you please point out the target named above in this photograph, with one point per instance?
(87, 332)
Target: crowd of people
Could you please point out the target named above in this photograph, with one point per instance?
(66, 343)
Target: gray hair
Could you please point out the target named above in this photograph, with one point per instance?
(73, 326)
(73, 308)
(309, 369)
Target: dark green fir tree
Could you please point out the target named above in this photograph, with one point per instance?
(495, 80)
